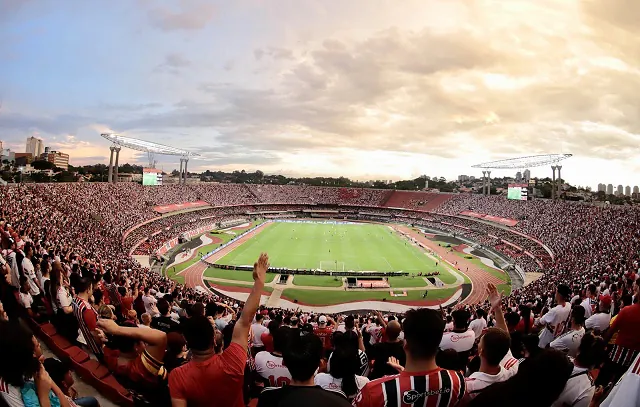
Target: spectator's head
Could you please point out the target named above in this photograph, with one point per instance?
(210, 309)
(302, 358)
(493, 346)
(563, 293)
(605, 303)
(349, 323)
(146, 319)
(592, 290)
(163, 307)
(345, 365)
(199, 334)
(176, 344)
(577, 315)
(294, 321)
(84, 286)
(19, 353)
(393, 330)
(548, 372)
(220, 311)
(423, 329)
(59, 373)
(461, 319)
(259, 318)
(322, 321)
(273, 327)
(281, 338)
(592, 351)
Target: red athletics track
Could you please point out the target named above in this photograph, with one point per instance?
(479, 278)
(193, 274)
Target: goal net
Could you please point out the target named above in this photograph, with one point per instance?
(332, 265)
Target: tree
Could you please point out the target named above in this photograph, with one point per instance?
(42, 165)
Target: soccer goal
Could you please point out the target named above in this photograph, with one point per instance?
(332, 265)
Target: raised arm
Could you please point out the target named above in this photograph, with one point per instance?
(495, 299)
(241, 330)
(156, 340)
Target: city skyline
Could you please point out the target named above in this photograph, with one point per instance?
(368, 90)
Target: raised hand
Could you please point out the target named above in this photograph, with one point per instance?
(395, 363)
(495, 298)
(260, 268)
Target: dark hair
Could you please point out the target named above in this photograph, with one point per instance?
(525, 312)
(97, 296)
(281, 338)
(549, 370)
(199, 333)
(592, 351)
(423, 329)
(163, 306)
(259, 317)
(197, 309)
(592, 289)
(82, 285)
(56, 370)
(210, 309)
(302, 357)
(349, 322)
(495, 345)
(345, 365)
(16, 353)
(577, 314)
(461, 318)
(273, 327)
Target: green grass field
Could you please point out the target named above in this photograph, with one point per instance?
(239, 275)
(312, 297)
(361, 247)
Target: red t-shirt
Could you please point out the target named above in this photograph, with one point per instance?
(439, 387)
(325, 334)
(520, 326)
(216, 382)
(628, 322)
(267, 340)
(126, 305)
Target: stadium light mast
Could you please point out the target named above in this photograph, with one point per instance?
(145, 146)
(525, 163)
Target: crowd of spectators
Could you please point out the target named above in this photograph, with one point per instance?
(63, 261)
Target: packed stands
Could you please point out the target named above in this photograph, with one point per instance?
(64, 267)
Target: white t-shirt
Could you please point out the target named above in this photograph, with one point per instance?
(149, 302)
(626, 393)
(15, 273)
(63, 297)
(478, 381)
(578, 391)
(589, 305)
(30, 272)
(270, 368)
(510, 364)
(376, 333)
(11, 394)
(258, 329)
(569, 342)
(460, 342)
(328, 382)
(599, 321)
(26, 300)
(552, 323)
(477, 325)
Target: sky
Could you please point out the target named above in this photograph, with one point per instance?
(368, 89)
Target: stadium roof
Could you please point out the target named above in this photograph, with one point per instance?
(146, 146)
(524, 162)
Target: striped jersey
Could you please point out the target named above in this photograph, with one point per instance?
(435, 388)
(626, 393)
(87, 321)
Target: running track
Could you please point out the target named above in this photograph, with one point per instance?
(479, 278)
(193, 274)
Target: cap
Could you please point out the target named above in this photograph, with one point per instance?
(322, 319)
(605, 300)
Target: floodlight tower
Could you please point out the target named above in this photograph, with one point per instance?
(145, 146)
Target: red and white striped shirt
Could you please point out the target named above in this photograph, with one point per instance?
(435, 388)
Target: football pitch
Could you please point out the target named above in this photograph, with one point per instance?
(337, 247)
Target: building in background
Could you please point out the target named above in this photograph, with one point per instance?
(60, 160)
(463, 178)
(627, 191)
(609, 189)
(518, 176)
(526, 175)
(602, 188)
(24, 158)
(1, 146)
(619, 190)
(35, 146)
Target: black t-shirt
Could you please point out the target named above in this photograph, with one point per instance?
(380, 353)
(307, 396)
(165, 324)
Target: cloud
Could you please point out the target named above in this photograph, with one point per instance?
(184, 15)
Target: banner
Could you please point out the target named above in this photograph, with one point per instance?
(179, 207)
